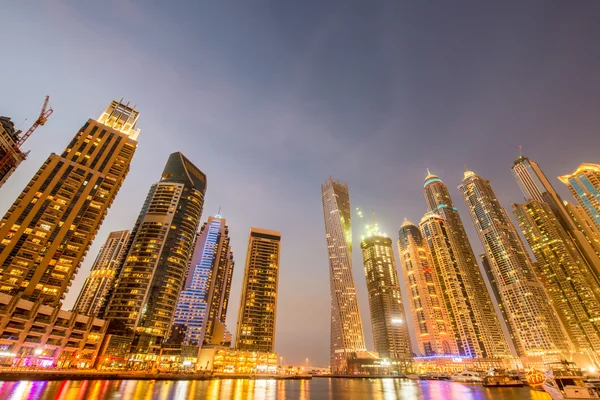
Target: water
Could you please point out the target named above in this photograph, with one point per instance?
(244, 389)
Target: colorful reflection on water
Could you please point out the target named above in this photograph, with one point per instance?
(245, 389)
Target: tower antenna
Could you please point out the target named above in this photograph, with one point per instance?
(520, 151)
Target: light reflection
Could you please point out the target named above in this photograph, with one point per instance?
(389, 390)
(245, 389)
(303, 390)
(213, 390)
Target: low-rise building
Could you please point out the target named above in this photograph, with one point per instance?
(38, 335)
(222, 360)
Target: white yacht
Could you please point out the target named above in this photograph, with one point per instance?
(564, 381)
(466, 376)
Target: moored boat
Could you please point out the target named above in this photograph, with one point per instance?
(413, 377)
(499, 378)
(564, 381)
(466, 376)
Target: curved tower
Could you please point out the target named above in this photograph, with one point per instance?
(346, 326)
(481, 325)
(430, 317)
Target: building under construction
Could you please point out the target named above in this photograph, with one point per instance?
(11, 141)
(8, 140)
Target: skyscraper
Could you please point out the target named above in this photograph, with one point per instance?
(476, 322)
(531, 316)
(346, 326)
(388, 322)
(568, 280)
(535, 186)
(93, 295)
(202, 305)
(258, 303)
(48, 230)
(585, 225)
(457, 295)
(153, 272)
(584, 184)
(431, 321)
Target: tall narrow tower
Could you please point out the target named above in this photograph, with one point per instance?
(93, 296)
(584, 184)
(390, 333)
(346, 326)
(482, 334)
(258, 303)
(48, 230)
(431, 321)
(530, 313)
(152, 275)
(202, 305)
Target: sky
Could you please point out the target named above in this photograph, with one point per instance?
(271, 98)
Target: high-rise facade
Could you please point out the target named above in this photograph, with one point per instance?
(93, 296)
(584, 184)
(258, 302)
(153, 272)
(530, 314)
(202, 305)
(8, 139)
(346, 326)
(568, 280)
(433, 330)
(390, 332)
(535, 186)
(585, 225)
(48, 230)
(475, 322)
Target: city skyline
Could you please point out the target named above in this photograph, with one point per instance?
(437, 118)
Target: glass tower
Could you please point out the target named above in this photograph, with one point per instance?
(530, 314)
(476, 322)
(153, 272)
(93, 296)
(430, 317)
(49, 229)
(203, 302)
(584, 184)
(258, 302)
(346, 326)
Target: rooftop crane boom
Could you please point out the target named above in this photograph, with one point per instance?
(41, 120)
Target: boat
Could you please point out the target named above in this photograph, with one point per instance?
(564, 381)
(500, 378)
(413, 377)
(466, 376)
(441, 377)
(535, 378)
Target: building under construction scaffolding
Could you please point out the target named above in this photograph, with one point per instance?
(8, 140)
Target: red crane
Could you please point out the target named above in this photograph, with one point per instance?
(41, 120)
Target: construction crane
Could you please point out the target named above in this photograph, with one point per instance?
(41, 120)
